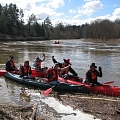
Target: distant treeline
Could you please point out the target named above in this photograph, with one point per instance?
(12, 23)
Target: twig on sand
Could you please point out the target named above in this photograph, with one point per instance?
(33, 113)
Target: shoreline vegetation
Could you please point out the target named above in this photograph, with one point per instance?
(5, 38)
(12, 23)
(101, 40)
(8, 38)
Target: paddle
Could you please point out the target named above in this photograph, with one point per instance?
(49, 90)
(106, 83)
(79, 83)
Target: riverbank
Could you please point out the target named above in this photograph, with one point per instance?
(100, 106)
(8, 112)
(100, 40)
(5, 38)
(28, 38)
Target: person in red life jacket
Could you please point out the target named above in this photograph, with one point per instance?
(53, 73)
(92, 74)
(25, 70)
(10, 66)
(65, 74)
(64, 64)
(37, 62)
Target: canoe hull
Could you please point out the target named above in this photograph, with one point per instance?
(3, 72)
(104, 89)
(34, 73)
(38, 73)
(43, 85)
(57, 42)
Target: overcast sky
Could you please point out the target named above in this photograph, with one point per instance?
(74, 12)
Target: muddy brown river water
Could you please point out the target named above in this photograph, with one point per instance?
(81, 54)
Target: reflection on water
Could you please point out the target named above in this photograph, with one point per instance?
(24, 95)
(4, 96)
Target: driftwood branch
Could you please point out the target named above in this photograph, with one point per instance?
(103, 113)
(94, 98)
(20, 116)
(33, 113)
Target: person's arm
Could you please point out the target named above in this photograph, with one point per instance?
(64, 69)
(55, 61)
(43, 57)
(35, 64)
(88, 76)
(72, 71)
(21, 71)
(30, 73)
(14, 67)
(8, 65)
(99, 72)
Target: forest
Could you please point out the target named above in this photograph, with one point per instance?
(12, 23)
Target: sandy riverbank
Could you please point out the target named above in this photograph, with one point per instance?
(100, 106)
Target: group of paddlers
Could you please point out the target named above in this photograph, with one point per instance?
(59, 69)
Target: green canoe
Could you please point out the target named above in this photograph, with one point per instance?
(43, 85)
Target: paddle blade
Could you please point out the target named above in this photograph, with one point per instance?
(106, 83)
(74, 82)
(46, 92)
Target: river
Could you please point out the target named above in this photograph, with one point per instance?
(81, 54)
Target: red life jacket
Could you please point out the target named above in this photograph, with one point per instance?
(26, 70)
(38, 64)
(94, 76)
(52, 75)
(12, 64)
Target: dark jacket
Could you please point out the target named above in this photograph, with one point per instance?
(89, 76)
(10, 67)
(61, 66)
